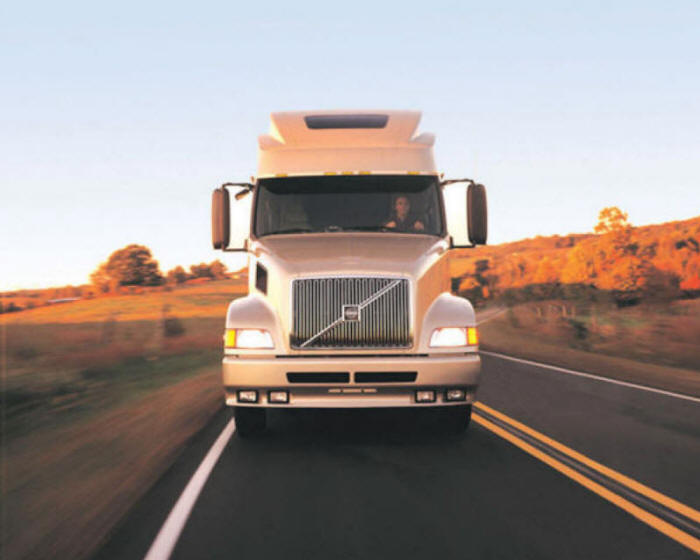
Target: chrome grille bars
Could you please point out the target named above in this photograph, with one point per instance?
(320, 321)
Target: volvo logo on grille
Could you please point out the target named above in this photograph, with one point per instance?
(351, 312)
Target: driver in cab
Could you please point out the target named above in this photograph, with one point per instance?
(401, 219)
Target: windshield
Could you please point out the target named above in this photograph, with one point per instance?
(386, 203)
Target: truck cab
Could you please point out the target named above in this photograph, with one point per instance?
(348, 229)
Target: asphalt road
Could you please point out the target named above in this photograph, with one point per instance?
(387, 484)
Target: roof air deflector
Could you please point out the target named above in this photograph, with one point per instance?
(320, 122)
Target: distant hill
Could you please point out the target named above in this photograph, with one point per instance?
(658, 261)
(21, 300)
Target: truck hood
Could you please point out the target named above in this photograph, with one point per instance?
(350, 253)
(279, 260)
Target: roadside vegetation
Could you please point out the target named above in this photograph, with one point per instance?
(618, 264)
(82, 356)
(650, 344)
(622, 301)
(98, 396)
(130, 270)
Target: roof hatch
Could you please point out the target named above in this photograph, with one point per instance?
(316, 122)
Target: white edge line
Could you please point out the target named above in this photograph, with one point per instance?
(596, 377)
(169, 533)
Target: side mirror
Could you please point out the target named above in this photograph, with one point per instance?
(220, 218)
(477, 213)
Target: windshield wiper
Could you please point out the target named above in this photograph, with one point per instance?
(358, 228)
(291, 230)
(369, 228)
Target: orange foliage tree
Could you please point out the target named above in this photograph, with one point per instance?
(631, 263)
(132, 265)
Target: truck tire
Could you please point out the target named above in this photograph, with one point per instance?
(456, 418)
(250, 422)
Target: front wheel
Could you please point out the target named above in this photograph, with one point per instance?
(456, 418)
(249, 421)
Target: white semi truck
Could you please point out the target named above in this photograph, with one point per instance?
(348, 233)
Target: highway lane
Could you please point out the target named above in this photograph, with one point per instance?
(651, 437)
(380, 484)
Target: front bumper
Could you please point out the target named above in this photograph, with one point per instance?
(434, 372)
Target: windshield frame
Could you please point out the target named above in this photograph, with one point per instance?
(440, 201)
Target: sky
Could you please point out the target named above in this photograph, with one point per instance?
(118, 119)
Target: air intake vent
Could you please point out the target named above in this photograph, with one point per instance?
(385, 376)
(318, 377)
(319, 122)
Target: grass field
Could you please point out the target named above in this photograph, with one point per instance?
(655, 345)
(85, 355)
(98, 395)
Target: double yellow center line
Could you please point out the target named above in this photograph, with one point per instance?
(681, 523)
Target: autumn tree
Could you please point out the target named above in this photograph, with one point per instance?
(201, 270)
(218, 270)
(102, 280)
(625, 277)
(620, 268)
(177, 275)
(691, 280)
(614, 224)
(610, 220)
(215, 270)
(546, 272)
(580, 265)
(132, 265)
(470, 288)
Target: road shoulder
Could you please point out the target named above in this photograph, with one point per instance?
(667, 378)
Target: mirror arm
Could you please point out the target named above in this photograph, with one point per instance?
(243, 249)
(452, 245)
(247, 187)
(451, 181)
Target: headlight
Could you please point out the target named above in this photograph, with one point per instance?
(448, 337)
(248, 338)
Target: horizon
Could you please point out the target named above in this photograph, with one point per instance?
(125, 117)
(243, 257)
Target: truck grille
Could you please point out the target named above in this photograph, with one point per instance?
(350, 312)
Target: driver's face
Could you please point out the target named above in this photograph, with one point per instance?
(402, 206)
